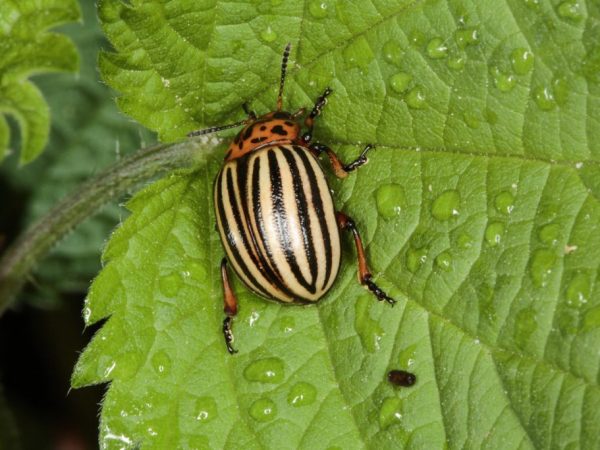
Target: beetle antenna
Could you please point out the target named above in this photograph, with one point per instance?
(215, 129)
(284, 61)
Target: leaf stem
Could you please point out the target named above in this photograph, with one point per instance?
(130, 172)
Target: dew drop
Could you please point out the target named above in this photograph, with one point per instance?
(196, 270)
(392, 52)
(504, 202)
(415, 257)
(505, 82)
(437, 48)
(368, 330)
(456, 62)
(390, 412)
(416, 98)
(525, 326)
(399, 82)
(549, 233)
(446, 205)
(87, 312)
(591, 320)
(358, 54)
(318, 8)
(129, 365)
(491, 117)
(466, 36)
(471, 119)
(494, 233)
(544, 98)
(406, 358)
(533, 4)
(464, 241)
(268, 35)
(161, 362)
(263, 410)
(417, 38)
(169, 285)
(105, 367)
(206, 409)
(444, 261)
(578, 290)
(390, 199)
(541, 266)
(570, 9)
(560, 88)
(287, 324)
(267, 370)
(521, 60)
(302, 394)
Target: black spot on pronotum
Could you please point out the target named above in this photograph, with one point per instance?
(401, 378)
(278, 129)
(289, 124)
(263, 127)
(258, 139)
(248, 132)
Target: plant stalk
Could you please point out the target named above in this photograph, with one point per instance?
(27, 250)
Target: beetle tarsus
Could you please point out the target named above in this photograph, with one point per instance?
(227, 322)
(362, 159)
(377, 291)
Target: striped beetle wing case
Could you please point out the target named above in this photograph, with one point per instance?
(277, 223)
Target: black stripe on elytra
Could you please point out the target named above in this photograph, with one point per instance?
(278, 282)
(266, 263)
(227, 231)
(238, 220)
(280, 214)
(303, 216)
(319, 211)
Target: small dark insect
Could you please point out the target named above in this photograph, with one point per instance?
(401, 378)
(275, 214)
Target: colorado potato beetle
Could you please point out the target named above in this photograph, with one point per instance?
(275, 214)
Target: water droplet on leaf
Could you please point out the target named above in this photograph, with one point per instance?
(263, 410)
(390, 199)
(302, 394)
(400, 81)
(446, 206)
(267, 370)
(521, 60)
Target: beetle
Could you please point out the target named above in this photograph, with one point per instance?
(275, 213)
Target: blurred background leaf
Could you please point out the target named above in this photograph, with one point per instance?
(41, 336)
(27, 48)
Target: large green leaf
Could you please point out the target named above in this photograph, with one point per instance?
(480, 208)
(27, 48)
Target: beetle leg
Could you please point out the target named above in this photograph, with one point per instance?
(339, 168)
(309, 122)
(364, 274)
(251, 114)
(230, 307)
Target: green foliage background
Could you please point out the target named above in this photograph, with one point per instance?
(479, 206)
